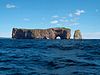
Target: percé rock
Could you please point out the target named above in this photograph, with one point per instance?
(77, 34)
(51, 33)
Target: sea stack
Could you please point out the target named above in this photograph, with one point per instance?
(77, 34)
(51, 33)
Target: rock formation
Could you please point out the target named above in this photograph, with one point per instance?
(77, 34)
(50, 33)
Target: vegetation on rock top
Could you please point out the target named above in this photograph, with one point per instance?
(64, 28)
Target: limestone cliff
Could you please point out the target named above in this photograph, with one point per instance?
(77, 34)
(50, 33)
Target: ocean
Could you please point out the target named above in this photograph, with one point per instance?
(49, 57)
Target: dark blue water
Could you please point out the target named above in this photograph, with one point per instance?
(49, 57)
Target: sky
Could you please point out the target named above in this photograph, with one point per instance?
(40, 14)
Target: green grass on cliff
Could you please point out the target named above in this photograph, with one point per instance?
(64, 28)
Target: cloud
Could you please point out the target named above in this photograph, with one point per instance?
(64, 17)
(94, 35)
(54, 22)
(26, 19)
(70, 20)
(55, 16)
(97, 10)
(73, 23)
(61, 20)
(70, 15)
(79, 12)
(65, 21)
(74, 19)
(10, 6)
(43, 18)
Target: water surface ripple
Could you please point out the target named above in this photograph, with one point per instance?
(49, 57)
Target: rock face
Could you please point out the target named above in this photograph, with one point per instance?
(50, 33)
(77, 34)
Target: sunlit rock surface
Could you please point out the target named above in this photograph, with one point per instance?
(51, 33)
(77, 34)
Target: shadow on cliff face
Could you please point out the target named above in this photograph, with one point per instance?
(51, 33)
(61, 34)
(18, 34)
(28, 35)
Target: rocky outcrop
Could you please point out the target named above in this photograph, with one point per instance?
(77, 34)
(50, 33)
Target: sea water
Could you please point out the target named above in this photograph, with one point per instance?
(49, 57)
